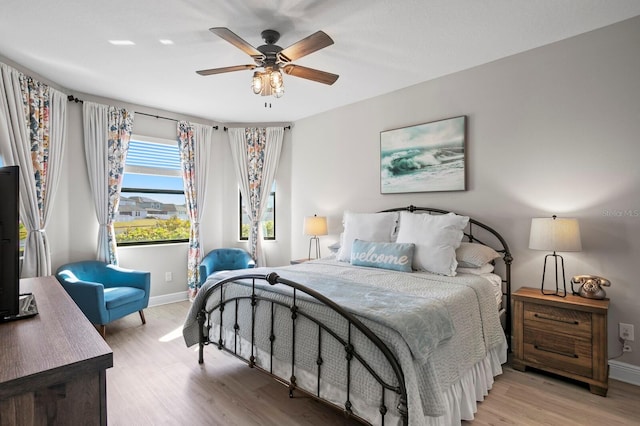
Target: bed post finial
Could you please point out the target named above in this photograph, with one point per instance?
(272, 278)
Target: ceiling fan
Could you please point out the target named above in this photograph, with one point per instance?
(275, 60)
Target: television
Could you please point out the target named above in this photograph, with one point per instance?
(13, 305)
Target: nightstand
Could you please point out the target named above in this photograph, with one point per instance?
(562, 335)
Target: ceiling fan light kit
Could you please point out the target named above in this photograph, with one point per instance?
(268, 83)
(274, 60)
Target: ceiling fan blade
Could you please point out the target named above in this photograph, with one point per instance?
(226, 69)
(311, 74)
(314, 42)
(233, 38)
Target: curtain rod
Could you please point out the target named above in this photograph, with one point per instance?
(285, 127)
(72, 98)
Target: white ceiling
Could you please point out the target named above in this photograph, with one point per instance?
(380, 46)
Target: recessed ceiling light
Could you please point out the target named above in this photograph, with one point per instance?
(122, 42)
(166, 42)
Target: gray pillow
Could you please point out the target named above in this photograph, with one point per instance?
(475, 255)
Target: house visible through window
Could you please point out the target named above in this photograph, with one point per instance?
(152, 207)
(268, 218)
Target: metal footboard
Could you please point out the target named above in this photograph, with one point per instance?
(346, 340)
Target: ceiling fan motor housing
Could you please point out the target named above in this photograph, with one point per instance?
(270, 49)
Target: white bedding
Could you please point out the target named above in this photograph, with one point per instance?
(496, 285)
(442, 390)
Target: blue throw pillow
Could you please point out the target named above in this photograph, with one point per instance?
(398, 257)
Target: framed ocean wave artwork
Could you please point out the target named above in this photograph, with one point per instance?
(426, 157)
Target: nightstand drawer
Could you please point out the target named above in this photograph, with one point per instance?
(562, 352)
(558, 320)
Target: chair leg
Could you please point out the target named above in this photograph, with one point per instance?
(103, 330)
(144, 321)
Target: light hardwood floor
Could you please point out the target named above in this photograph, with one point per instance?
(156, 380)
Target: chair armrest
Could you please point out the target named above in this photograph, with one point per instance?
(88, 295)
(117, 276)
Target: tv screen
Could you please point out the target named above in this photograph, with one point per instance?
(9, 243)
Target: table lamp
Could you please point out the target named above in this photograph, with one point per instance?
(555, 234)
(315, 225)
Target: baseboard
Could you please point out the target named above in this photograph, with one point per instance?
(624, 372)
(168, 298)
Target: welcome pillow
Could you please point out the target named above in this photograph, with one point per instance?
(436, 238)
(397, 257)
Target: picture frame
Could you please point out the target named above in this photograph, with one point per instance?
(428, 157)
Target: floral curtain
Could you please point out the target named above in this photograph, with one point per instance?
(194, 142)
(32, 136)
(107, 131)
(256, 152)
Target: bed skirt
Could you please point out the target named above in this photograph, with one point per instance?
(462, 397)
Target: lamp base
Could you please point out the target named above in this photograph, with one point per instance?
(557, 292)
(317, 243)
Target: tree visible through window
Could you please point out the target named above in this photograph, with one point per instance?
(268, 218)
(152, 207)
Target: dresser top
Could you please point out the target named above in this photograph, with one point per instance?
(51, 346)
(575, 302)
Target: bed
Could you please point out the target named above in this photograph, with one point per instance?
(385, 342)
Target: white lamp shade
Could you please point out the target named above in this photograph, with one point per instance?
(315, 225)
(555, 234)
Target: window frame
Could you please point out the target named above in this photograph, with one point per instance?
(141, 170)
(241, 213)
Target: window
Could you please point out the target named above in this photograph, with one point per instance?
(268, 218)
(152, 207)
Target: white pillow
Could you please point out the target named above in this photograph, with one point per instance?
(333, 248)
(436, 238)
(378, 227)
(475, 255)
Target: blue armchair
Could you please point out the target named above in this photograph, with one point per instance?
(103, 292)
(224, 259)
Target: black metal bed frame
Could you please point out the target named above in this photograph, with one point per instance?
(504, 251)
(204, 319)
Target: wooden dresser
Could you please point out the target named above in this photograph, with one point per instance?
(52, 366)
(561, 335)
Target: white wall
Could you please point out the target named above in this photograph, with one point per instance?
(550, 131)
